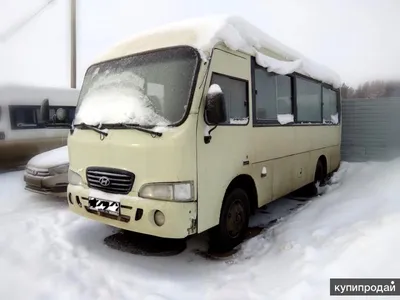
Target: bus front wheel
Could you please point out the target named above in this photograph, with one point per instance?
(234, 221)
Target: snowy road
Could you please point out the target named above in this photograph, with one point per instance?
(47, 252)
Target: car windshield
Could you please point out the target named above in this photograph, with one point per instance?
(147, 89)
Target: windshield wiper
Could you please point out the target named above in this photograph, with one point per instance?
(98, 130)
(138, 127)
(129, 126)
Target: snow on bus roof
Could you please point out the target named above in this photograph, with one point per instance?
(237, 34)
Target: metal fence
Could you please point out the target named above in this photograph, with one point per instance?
(370, 129)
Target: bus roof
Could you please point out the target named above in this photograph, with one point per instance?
(20, 94)
(235, 33)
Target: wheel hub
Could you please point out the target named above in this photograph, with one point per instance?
(235, 220)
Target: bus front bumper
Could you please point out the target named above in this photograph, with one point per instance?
(137, 214)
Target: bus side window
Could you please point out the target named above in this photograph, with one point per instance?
(330, 106)
(70, 110)
(23, 116)
(273, 96)
(309, 101)
(236, 98)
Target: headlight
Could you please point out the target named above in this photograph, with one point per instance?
(180, 191)
(74, 178)
(59, 169)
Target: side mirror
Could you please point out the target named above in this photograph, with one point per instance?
(44, 111)
(215, 112)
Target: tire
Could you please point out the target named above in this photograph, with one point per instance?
(233, 223)
(319, 176)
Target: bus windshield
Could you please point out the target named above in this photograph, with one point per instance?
(147, 89)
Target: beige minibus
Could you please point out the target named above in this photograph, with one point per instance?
(193, 126)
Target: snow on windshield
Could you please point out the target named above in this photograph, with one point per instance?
(147, 89)
(112, 98)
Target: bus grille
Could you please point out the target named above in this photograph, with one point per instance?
(110, 180)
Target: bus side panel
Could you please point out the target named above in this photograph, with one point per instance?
(334, 158)
(272, 146)
(318, 141)
(229, 153)
(301, 171)
(314, 156)
(263, 182)
(282, 181)
(290, 155)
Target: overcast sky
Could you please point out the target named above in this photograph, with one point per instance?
(357, 38)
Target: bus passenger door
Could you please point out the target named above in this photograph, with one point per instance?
(228, 153)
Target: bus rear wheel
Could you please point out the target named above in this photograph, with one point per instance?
(234, 221)
(319, 178)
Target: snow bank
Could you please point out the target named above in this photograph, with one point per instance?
(285, 118)
(351, 231)
(238, 34)
(112, 98)
(52, 158)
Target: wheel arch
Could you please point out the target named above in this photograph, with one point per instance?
(247, 183)
(324, 161)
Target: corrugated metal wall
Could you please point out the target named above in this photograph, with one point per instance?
(370, 129)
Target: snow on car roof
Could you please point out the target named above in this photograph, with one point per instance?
(235, 33)
(51, 158)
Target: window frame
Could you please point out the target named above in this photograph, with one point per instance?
(258, 122)
(247, 100)
(338, 102)
(294, 76)
(305, 78)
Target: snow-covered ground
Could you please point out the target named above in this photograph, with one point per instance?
(47, 252)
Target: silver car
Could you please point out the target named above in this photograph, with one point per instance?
(47, 173)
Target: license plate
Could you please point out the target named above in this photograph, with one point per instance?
(34, 181)
(106, 206)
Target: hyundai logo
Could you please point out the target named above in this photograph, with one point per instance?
(104, 181)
